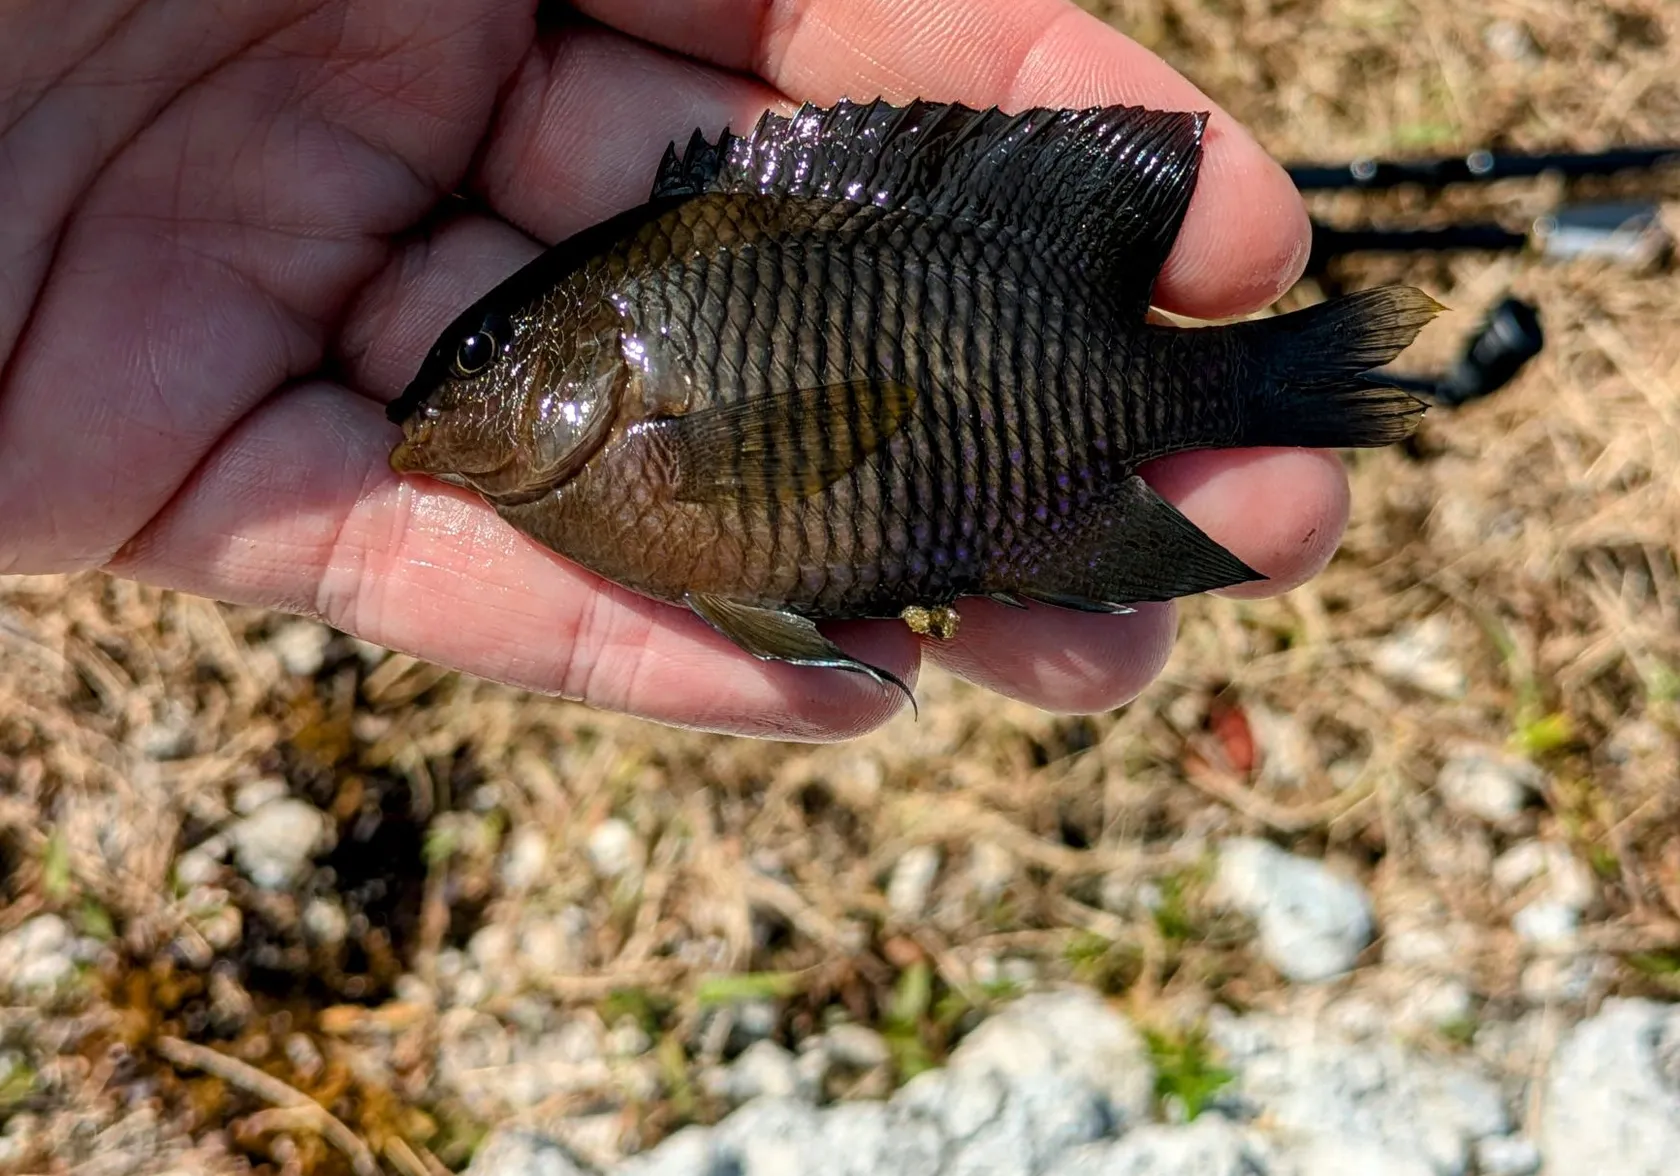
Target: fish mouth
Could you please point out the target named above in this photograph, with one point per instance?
(409, 455)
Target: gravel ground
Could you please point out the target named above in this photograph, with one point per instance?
(1381, 877)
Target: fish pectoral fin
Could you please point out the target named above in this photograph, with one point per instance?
(783, 446)
(772, 635)
(1136, 546)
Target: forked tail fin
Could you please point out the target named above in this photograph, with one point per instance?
(1316, 391)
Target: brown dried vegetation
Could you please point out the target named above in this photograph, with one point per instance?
(1533, 537)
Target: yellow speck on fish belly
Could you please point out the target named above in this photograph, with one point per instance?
(932, 621)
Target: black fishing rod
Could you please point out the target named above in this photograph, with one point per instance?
(1624, 232)
(1481, 167)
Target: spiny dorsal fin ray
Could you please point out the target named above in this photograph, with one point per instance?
(1102, 190)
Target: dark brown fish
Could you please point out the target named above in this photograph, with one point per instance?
(870, 359)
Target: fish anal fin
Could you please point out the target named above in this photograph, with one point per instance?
(772, 635)
(1134, 546)
(1101, 190)
(783, 446)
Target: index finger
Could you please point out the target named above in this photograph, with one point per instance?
(1245, 237)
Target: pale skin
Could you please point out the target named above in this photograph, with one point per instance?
(213, 282)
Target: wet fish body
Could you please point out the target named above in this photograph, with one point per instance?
(868, 360)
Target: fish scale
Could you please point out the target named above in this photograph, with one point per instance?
(869, 360)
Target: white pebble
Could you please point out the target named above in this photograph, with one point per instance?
(1568, 880)
(525, 859)
(196, 868)
(1510, 40)
(1421, 656)
(273, 845)
(36, 959)
(1313, 923)
(764, 1070)
(990, 870)
(614, 849)
(1557, 979)
(857, 1046)
(1547, 924)
(628, 1039)
(1486, 785)
(492, 946)
(301, 647)
(253, 794)
(1609, 1107)
(325, 922)
(1507, 1155)
(912, 881)
(1284, 746)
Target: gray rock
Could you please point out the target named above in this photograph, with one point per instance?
(1612, 1094)
(1488, 785)
(1313, 923)
(1326, 1098)
(523, 1152)
(1071, 1032)
(857, 1046)
(274, 843)
(765, 1070)
(1209, 1146)
(912, 881)
(1509, 1155)
(1326, 1156)
(614, 849)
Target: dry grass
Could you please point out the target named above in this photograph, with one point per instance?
(1539, 530)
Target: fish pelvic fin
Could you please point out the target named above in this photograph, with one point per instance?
(1099, 191)
(772, 635)
(1135, 546)
(1316, 390)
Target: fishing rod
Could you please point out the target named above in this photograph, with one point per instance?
(1624, 232)
(1479, 166)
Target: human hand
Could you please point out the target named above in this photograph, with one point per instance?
(227, 241)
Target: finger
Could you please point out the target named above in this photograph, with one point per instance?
(1245, 237)
(1281, 511)
(297, 510)
(583, 128)
(1057, 659)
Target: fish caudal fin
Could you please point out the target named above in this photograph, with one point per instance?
(1317, 391)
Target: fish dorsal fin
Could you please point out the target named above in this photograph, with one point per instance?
(1101, 190)
(783, 446)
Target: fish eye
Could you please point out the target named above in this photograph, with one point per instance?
(475, 353)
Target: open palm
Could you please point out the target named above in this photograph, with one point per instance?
(228, 236)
